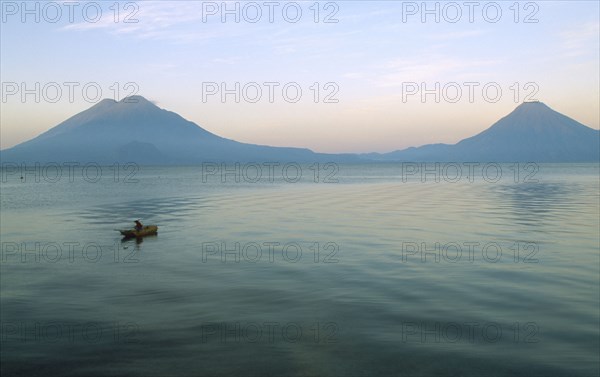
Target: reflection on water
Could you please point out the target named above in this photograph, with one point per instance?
(534, 203)
(166, 209)
(136, 241)
(348, 279)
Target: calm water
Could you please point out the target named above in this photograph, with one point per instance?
(358, 270)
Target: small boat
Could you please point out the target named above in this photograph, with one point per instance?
(148, 230)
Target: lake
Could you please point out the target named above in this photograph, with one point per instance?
(301, 270)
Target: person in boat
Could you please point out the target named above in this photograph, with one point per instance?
(138, 225)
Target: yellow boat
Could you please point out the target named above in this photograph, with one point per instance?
(148, 230)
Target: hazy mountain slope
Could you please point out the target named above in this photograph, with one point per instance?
(135, 130)
(532, 132)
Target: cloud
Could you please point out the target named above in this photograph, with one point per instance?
(354, 75)
(229, 61)
(176, 21)
(456, 35)
(581, 40)
(428, 68)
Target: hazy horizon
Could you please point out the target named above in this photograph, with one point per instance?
(373, 55)
(258, 143)
(270, 240)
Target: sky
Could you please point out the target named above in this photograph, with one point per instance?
(332, 76)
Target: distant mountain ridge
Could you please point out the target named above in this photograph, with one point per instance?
(136, 130)
(533, 132)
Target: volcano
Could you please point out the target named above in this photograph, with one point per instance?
(533, 132)
(136, 130)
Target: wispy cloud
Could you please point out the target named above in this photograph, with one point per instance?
(581, 40)
(177, 21)
(429, 68)
(229, 60)
(456, 35)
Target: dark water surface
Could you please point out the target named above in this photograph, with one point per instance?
(378, 273)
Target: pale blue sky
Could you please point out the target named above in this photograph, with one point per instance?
(370, 54)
